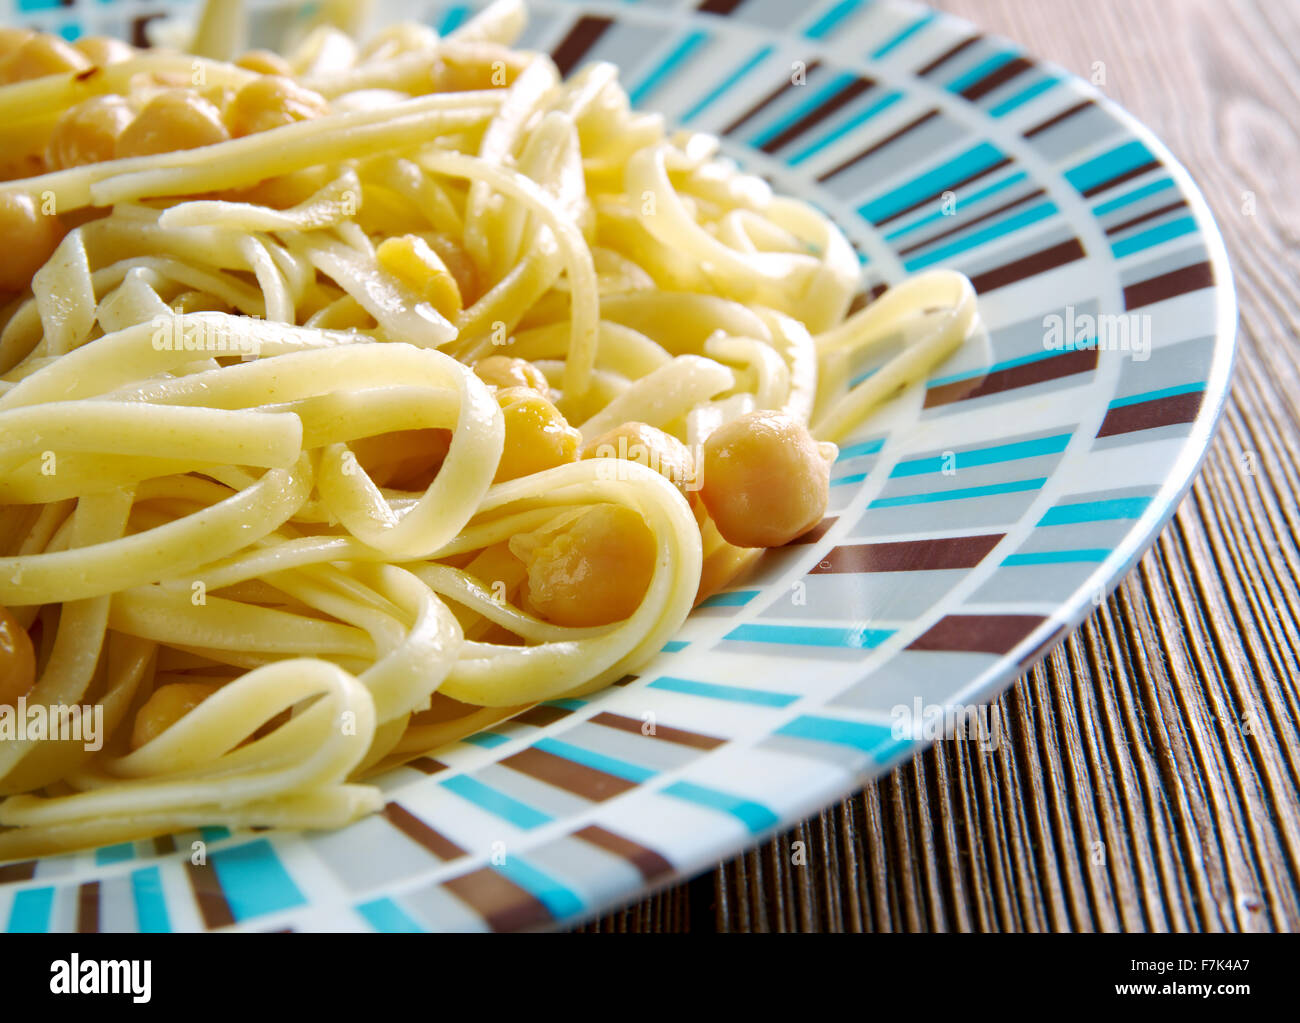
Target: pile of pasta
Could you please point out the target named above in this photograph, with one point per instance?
(353, 399)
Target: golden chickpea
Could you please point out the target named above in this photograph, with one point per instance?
(403, 459)
(28, 238)
(264, 62)
(592, 567)
(410, 259)
(504, 371)
(167, 705)
(104, 50)
(272, 101)
(639, 442)
(38, 56)
(766, 481)
(174, 119)
(17, 660)
(88, 132)
(537, 436)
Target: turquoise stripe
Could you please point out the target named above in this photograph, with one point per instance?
(736, 598)
(674, 645)
(1088, 554)
(982, 237)
(755, 816)
(70, 32)
(1013, 487)
(837, 85)
(968, 202)
(453, 19)
(1149, 239)
(732, 79)
(985, 67)
(598, 761)
(866, 737)
(488, 740)
(974, 160)
(822, 27)
(254, 880)
(905, 35)
(31, 911)
(1095, 511)
(681, 53)
(569, 704)
(114, 854)
(214, 834)
(732, 694)
(860, 638)
(150, 903)
(1024, 96)
(856, 121)
(38, 5)
(985, 456)
(1134, 196)
(867, 447)
(496, 803)
(997, 367)
(559, 901)
(1164, 392)
(1109, 165)
(387, 917)
(845, 481)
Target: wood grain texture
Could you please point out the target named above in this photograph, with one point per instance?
(1149, 769)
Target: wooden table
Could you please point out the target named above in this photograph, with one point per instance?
(1151, 778)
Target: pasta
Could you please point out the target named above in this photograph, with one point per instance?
(354, 399)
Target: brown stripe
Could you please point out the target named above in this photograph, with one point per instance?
(680, 736)
(415, 829)
(771, 98)
(1119, 179)
(1037, 653)
(878, 146)
(720, 7)
(651, 865)
(943, 58)
(971, 223)
(1170, 285)
(908, 555)
(502, 903)
(1082, 360)
(625, 680)
(1147, 415)
(88, 908)
(164, 845)
(581, 38)
(12, 873)
(1064, 115)
(211, 900)
(1147, 216)
(581, 780)
(952, 186)
(984, 634)
(427, 765)
(999, 77)
(542, 715)
(814, 117)
(1039, 262)
(814, 534)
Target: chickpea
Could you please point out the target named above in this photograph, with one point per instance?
(403, 459)
(88, 132)
(272, 101)
(537, 436)
(766, 481)
(504, 371)
(174, 119)
(38, 56)
(638, 442)
(17, 660)
(28, 238)
(104, 50)
(410, 259)
(591, 567)
(264, 62)
(165, 707)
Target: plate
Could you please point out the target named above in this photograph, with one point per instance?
(972, 524)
